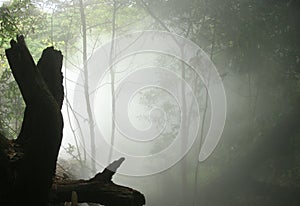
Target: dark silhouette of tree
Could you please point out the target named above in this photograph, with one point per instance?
(28, 163)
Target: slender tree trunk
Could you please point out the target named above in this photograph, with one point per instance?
(204, 118)
(86, 86)
(112, 79)
(184, 129)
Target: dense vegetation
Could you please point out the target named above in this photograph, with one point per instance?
(254, 43)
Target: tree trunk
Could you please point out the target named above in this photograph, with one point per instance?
(27, 164)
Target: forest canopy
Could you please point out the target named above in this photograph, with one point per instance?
(253, 44)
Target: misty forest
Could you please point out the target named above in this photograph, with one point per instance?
(150, 102)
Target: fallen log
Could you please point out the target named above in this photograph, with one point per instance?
(99, 189)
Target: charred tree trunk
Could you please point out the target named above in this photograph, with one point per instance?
(41, 133)
(27, 165)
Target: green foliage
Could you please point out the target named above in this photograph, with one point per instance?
(16, 17)
(19, 17)
(256, 41)
(11, 106)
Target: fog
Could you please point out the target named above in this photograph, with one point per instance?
(150, 120)
(200, 97)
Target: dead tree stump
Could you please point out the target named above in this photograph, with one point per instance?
(27, 165)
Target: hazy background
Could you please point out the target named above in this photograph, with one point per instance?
(254, 46)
